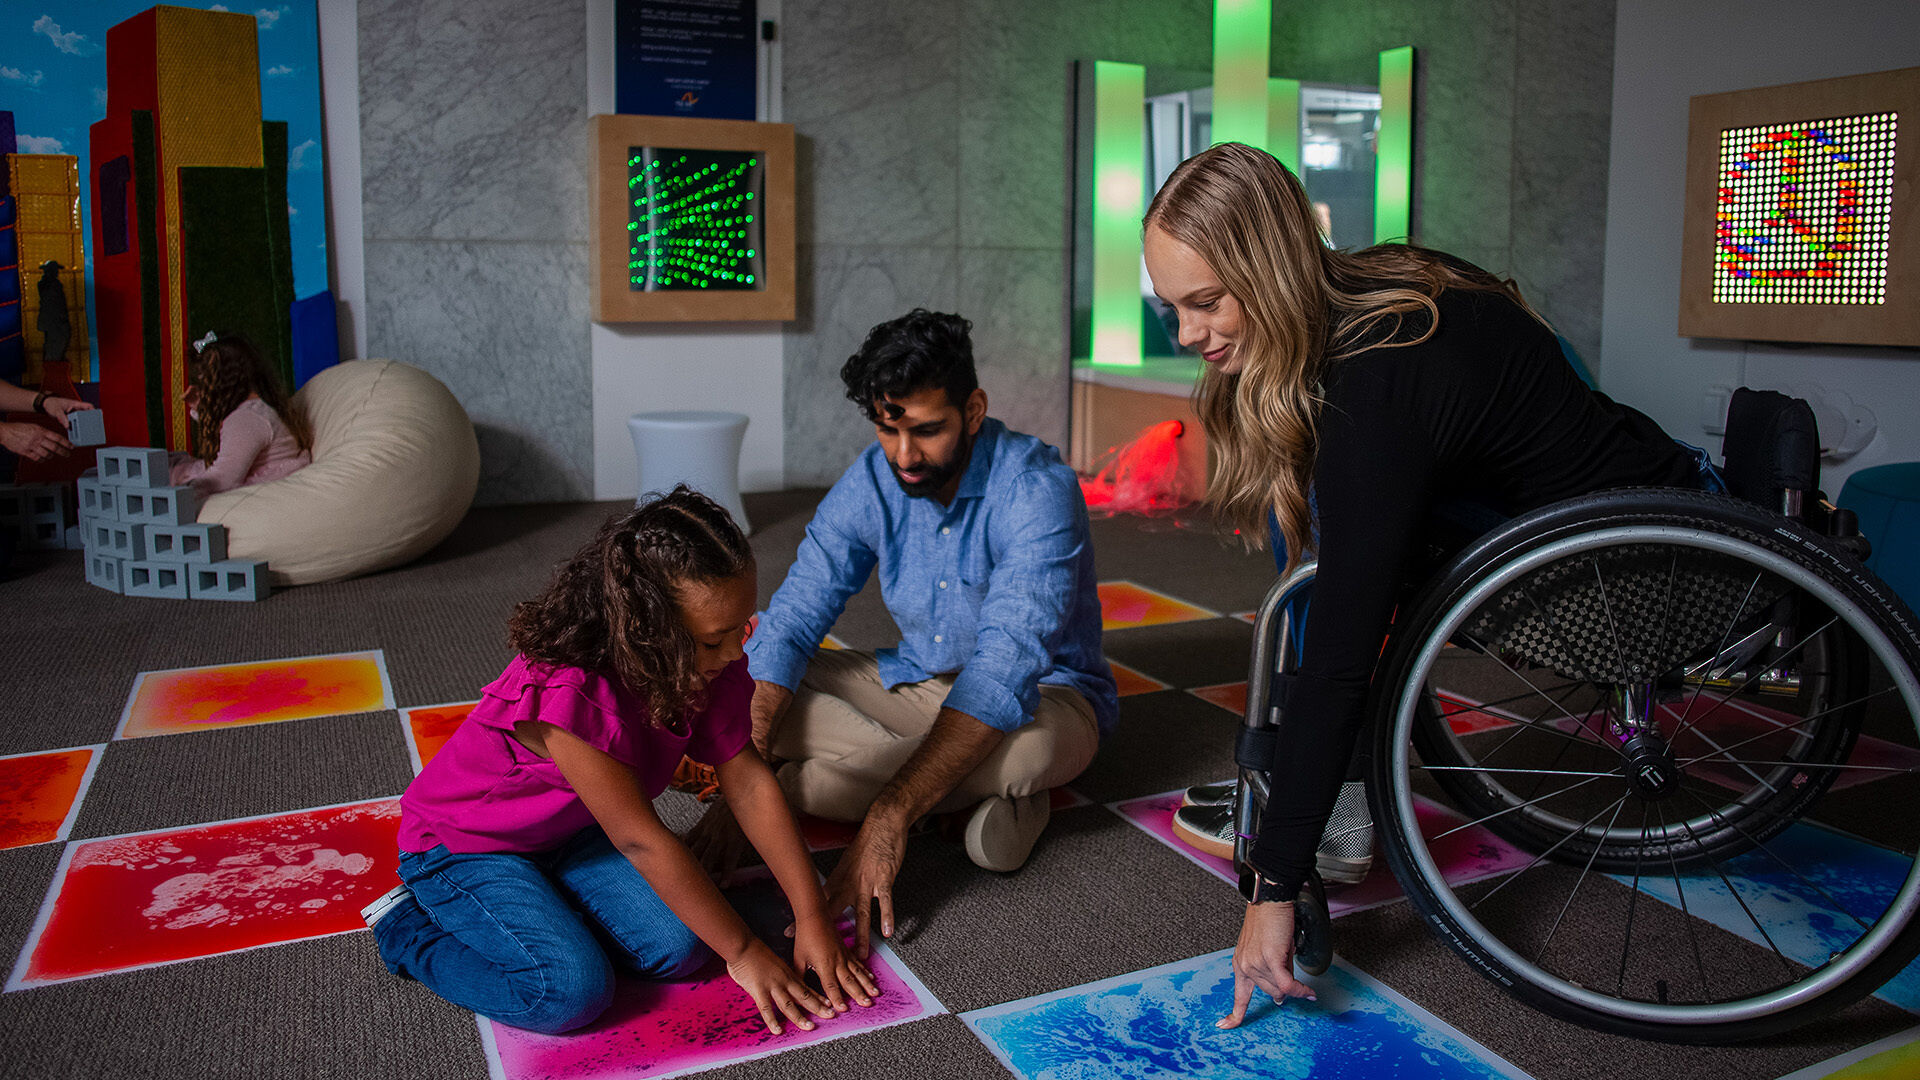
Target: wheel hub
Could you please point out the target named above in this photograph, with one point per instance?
(1651, 771)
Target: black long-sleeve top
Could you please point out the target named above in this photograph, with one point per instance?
(1486, 409)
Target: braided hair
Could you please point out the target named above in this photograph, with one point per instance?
(613, 608)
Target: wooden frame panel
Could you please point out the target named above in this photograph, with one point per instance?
(1895, 320)
(612, 139)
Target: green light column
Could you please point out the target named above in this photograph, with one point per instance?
(1393, 167)
(1242, 33)
(1119, 201)
(1283, 122)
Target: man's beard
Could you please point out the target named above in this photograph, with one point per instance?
(938, 476)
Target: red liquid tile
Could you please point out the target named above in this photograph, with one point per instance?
(37, 794)
(1124, 604)
(155, 898)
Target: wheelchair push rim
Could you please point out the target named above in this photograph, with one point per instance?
(1516, 955)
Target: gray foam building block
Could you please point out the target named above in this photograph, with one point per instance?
(159, 505)
(97, 499)
(76, 537)
(132, 466)
(87, 427)
(119, 539)
(233, 579)
(104, 571)
(35, 513)
(165, 580)
(187, 543)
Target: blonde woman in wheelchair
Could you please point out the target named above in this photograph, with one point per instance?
(1346, 396)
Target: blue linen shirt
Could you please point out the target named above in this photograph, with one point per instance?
(998, 587)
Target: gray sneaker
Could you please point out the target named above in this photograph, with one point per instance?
(1206, 828)
(1220, 794)
(1000, 833)
(1346, 847)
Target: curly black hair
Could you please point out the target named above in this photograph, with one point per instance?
(612, 607)
(918, 350)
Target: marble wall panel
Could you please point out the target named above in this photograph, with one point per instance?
(1016, 100)
(846, 291)
(1012, 296)
(505, 327)
(1562, 109)
(870, 87)
(473, 119)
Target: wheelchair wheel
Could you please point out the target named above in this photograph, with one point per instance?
(1658, 699)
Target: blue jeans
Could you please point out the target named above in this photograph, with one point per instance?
(518, 937)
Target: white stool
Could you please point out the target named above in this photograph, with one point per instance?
(698, 449)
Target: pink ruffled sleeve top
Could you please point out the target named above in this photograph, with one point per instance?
(486, 792)
(255, 447)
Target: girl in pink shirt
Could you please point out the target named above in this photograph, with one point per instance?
(245, 431)
(530, 839)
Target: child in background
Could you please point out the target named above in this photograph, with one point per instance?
(532, 831)
(244, 429)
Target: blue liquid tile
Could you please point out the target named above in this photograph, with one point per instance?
(1159, 1022)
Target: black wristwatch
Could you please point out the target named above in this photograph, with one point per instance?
(1260, 890)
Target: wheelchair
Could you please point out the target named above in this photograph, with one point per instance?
(1691, 722)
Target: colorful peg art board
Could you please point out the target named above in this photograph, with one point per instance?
(261, 692)
(40, 793)
(152, 898)
(1159, 1022)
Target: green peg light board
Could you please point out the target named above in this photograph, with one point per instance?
(692, 220)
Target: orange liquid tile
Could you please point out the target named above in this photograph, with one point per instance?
(195, 699)
(431, 726)
(1133, 682)
(1124, 604)
(179, 894)
(37, 792)
(1229, 696)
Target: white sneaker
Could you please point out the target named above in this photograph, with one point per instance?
(1001, 832)
(389, 900)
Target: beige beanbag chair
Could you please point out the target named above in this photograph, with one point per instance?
(394, 469)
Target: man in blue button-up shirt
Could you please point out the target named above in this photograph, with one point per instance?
(998, 690)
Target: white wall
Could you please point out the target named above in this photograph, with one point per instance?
(340, 106)
(640, 367)
(1665, 53)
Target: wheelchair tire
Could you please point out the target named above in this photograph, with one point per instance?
(1736, 777)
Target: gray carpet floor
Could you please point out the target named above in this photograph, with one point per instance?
(1100, 897)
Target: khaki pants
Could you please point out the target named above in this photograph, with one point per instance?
(846, 736)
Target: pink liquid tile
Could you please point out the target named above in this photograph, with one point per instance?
(656, 1029)
(1465, 856)
(265, 692)
(430, 726)
(1124, 604)
(1467, 716)
(179, 894)
(40, 794)
(1738, 722)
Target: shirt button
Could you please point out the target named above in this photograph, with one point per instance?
(944, 530)
(943, 584)
(937, 639)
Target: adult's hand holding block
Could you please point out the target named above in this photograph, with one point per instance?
(87, 427)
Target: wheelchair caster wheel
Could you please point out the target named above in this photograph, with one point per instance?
(1312, 927)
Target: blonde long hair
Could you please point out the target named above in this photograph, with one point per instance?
(1304, 306)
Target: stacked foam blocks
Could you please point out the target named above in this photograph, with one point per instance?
(141, 539)
(36, 514)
